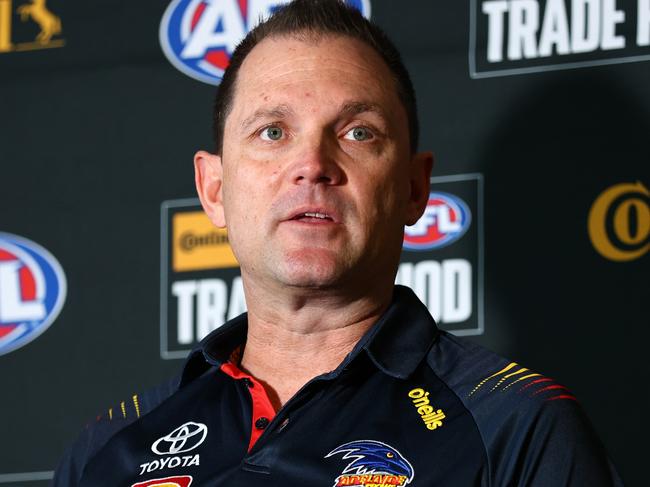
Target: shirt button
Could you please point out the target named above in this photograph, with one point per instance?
(262, 423)
(248, 382)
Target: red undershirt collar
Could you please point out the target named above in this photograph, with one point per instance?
(263, 411)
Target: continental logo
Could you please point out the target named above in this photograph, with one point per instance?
(431, 416)
(201, 286)
(513, 377)
(19, 36)
(619, 222)
(198, 244)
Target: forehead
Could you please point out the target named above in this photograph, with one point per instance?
(285, 69)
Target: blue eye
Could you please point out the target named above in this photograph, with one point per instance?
(272, 133)
(359, 134)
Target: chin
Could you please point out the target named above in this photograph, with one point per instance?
(311, 269)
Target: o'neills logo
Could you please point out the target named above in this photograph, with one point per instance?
(372, 464)
(431, 416)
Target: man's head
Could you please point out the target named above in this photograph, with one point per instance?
(311, 19)
(317, 175)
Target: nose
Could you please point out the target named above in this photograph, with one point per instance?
(316, 164)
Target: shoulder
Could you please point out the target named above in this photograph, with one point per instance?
(483, 379)
(533, 428)
(505, 398)
(106, 425)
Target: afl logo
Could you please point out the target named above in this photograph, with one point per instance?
(199, 36)
(445, 219)
(32, 291)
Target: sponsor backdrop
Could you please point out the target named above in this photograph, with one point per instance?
(534, 243)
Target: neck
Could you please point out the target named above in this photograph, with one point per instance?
(305, 334)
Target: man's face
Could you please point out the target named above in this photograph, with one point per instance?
(316, 179)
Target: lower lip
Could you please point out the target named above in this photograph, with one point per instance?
(312, 220)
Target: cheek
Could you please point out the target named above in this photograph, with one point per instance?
(241, 206)
(238, 200)
(390, 192)
(239, 215)
(376, 202)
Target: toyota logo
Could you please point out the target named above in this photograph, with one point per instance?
(183, 439)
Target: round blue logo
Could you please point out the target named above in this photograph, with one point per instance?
(445, 219)
(199, 36)
(32, 291)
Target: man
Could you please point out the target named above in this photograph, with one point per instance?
(335, 376)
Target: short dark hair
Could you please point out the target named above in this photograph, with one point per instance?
(317, 17)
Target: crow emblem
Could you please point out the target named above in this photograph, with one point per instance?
(373, 463)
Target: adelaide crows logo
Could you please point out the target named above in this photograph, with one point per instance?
(374, 464)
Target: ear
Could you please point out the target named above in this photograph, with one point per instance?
(208, 176)
(421, 165)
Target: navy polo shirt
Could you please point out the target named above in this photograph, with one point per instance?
(410, 405)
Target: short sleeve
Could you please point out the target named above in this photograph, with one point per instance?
(552, 443)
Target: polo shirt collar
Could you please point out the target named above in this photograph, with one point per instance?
(403, 335)
(215, 349)
(396, 344)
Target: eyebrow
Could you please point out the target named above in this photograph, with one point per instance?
(280, 112)
(357, 107)
(277, 112)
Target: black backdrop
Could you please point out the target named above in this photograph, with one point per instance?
(97, 131)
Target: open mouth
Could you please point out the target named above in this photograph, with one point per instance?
(313, 217)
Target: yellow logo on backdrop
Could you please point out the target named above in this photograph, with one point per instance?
(35, 11)
(198, 244)
(625, 208)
